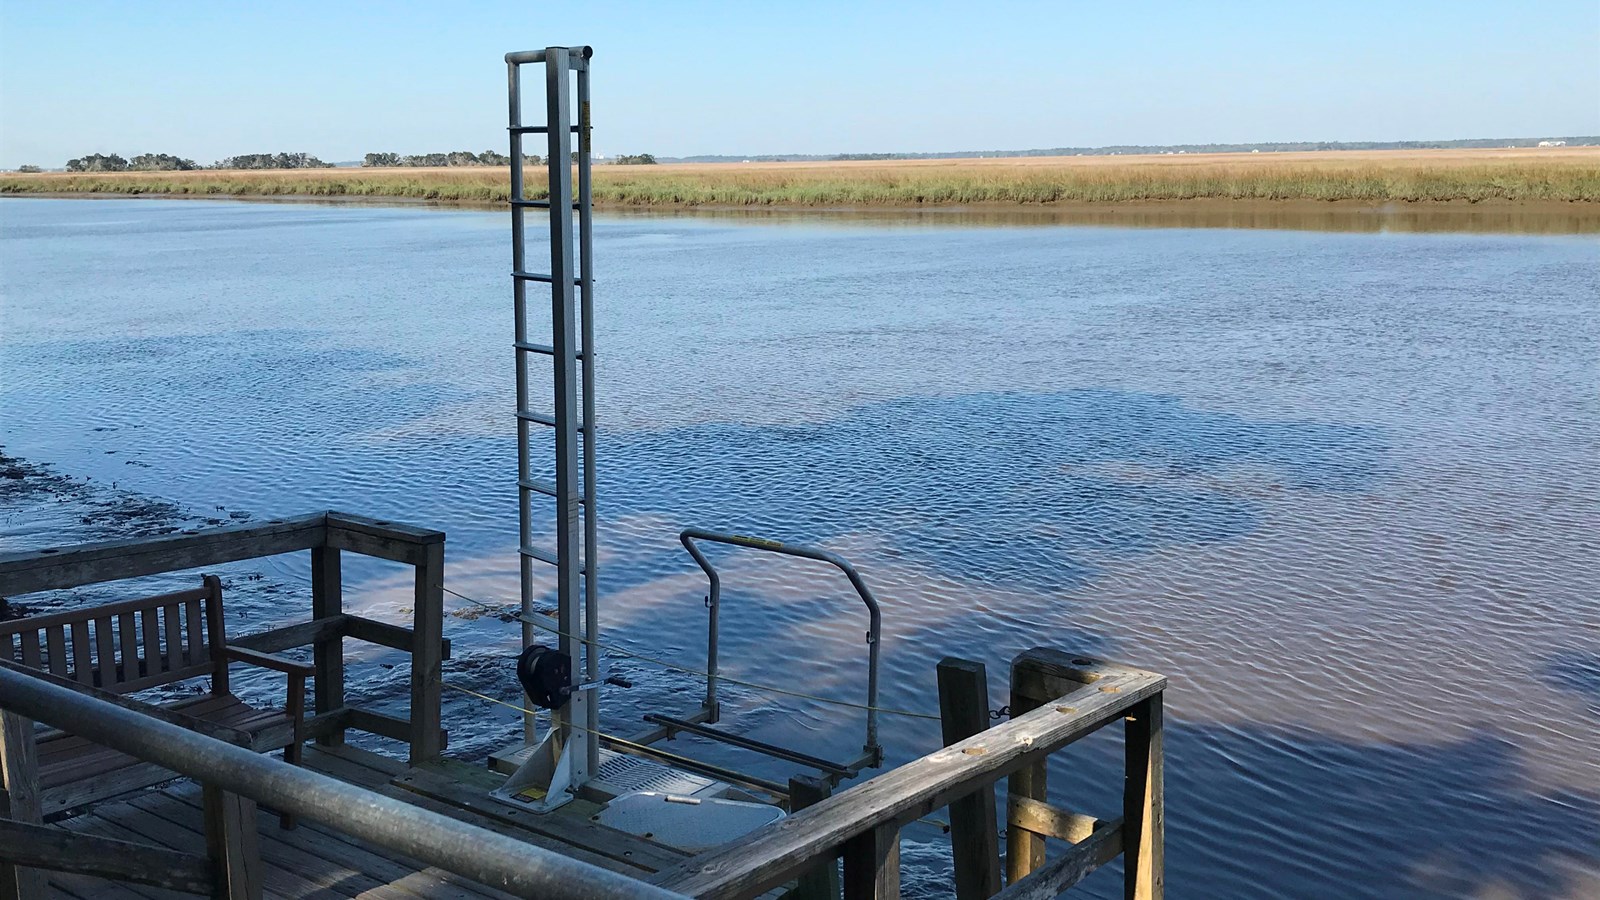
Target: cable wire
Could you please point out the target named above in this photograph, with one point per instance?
(692, 671)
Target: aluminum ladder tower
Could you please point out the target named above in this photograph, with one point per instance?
(569, 752)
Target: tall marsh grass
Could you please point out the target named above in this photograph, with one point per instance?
(801, 185)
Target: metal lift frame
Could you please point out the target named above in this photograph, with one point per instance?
(571, 351)
(567, 757)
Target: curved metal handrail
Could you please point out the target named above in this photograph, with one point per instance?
(689, 536)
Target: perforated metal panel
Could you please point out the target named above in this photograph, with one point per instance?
(622, 774)
(687, 823)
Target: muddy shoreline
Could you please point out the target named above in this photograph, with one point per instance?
(40, 507)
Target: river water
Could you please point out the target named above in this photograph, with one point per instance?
(1339, 485)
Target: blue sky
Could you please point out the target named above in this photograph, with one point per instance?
(207, 80)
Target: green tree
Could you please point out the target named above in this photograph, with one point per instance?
(96, 162)
(160, 162)
(273, 161)
(381, 159)
(29, 170)
(640, 159)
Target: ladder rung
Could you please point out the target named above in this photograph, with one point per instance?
(536, 129)
(542, 278)
(540, 204)
(547, 557)
(543, 419)
(546, 349)
(541, 487)
(541, 555)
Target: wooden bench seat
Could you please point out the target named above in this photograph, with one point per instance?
(119, 648)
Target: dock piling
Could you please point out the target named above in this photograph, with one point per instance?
(974, 838)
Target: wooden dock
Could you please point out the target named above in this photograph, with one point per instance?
(314, 861)
(370, 825)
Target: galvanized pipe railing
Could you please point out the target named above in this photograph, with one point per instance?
(476, 853)
(689, 536)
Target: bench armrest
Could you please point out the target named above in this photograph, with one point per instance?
(295, 701)
(269, 661)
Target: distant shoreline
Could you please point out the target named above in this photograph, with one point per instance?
(1546, 217)
(1412, 177)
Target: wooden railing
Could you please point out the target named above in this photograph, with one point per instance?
(1056, 699)
(326, 535)
(234, 780)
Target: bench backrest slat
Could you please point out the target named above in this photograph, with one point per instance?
(172, 656)
(129, 645)
(55, 647)
(30, 648)
(82, 665)
(150, 659)
(193, 633)
(105, 647)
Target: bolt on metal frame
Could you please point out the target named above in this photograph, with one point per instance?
(571, 351)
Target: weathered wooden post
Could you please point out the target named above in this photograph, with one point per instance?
(19, 769)
(822, 882)
(232, 844)
(1024, 848)
(1143, 812)
(1041, 676)
(872, 865)
(974, 840)
(427, 651)
(327, 599)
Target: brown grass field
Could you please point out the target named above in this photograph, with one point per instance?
(1566, 175)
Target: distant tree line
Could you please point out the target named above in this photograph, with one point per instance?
(638, 159)
(96, 162)
(166, 162)
(146, 162)
(437, 160)
(272, 161)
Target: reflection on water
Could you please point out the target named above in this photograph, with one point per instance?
(1466, 218)
(1341, 487)
(1553, 217)
(1103, 475)
(1542, 218)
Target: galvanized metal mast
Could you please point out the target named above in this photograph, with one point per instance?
(571, 352)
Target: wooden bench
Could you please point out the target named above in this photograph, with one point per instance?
(133, 645)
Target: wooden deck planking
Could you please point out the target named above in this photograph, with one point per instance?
(397, 871)
(319, 862)
(91, 887)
